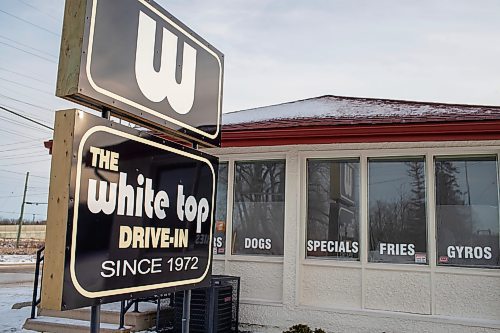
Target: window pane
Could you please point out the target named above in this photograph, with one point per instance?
(259, 207)
(221, 211)
(467, 211)
(332, 209)
(397, 227)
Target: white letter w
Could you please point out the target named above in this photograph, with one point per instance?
(101, 204)
(158, 85)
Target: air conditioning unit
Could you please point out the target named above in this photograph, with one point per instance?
(213, 309)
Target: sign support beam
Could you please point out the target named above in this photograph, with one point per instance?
(95, 318)
(186, 302)
(95, 310)
(186, 311)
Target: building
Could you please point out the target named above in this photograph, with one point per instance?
(362, 215)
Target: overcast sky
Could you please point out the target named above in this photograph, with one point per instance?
(275, 51)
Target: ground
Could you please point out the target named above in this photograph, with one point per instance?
(16, 281)
(26, 246)
(16, 285)
(25, 253)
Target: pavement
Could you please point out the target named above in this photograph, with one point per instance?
(16, 286)
(16, 275)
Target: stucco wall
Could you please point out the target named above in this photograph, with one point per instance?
(357, 296)
(261, 281)
(398, 291)
(471, 296)
(331, 287)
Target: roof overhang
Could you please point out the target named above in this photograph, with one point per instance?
(249, 136)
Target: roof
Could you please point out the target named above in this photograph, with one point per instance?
(340, 110)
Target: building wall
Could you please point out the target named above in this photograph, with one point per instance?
(357, 296)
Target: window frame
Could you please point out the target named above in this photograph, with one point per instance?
(233, 197)
(391, 150)
(358, 208)
(400, 158)
(296, 186)
(458, 156)
(220, 255)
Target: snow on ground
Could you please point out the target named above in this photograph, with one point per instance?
(17, 258)
(12, 320)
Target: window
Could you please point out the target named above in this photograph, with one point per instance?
(259, 207)
(397, 215)
(467, 211)
(221, 210)
(332, 209)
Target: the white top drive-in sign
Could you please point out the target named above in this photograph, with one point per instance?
(143, 64)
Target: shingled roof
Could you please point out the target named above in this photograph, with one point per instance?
(339, 110)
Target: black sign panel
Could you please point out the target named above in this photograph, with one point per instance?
(142, 217)
(143, 64)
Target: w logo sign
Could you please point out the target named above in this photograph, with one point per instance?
(143, 64)
(158, 85)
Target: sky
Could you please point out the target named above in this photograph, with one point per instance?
(275, 51)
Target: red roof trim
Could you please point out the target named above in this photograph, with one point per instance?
(414, 132)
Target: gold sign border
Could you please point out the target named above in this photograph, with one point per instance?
(74, 279)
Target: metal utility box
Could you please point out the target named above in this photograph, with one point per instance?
(213, 309)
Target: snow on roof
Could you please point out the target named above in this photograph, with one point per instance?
(355, 110)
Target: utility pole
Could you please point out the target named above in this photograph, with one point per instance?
(20, 223)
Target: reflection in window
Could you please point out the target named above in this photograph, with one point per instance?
(467, 211)
(397, 216)
(259, 207)
(221, 210)
(332, 208)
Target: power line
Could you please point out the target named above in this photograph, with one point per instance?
(20, 173)
(27, 103)
(16, 143)
(18, 134)
(28, 52)
(28, 46)
(18, 123)
(25, 95)
(22, 156)
(28, 156)
(26, 86)
(38, 9)
(25, 76)
(13, 164)
(42, 183)
(2, 211)
(25, 113)
(27, 118)
(30, 23)
(21, 148)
